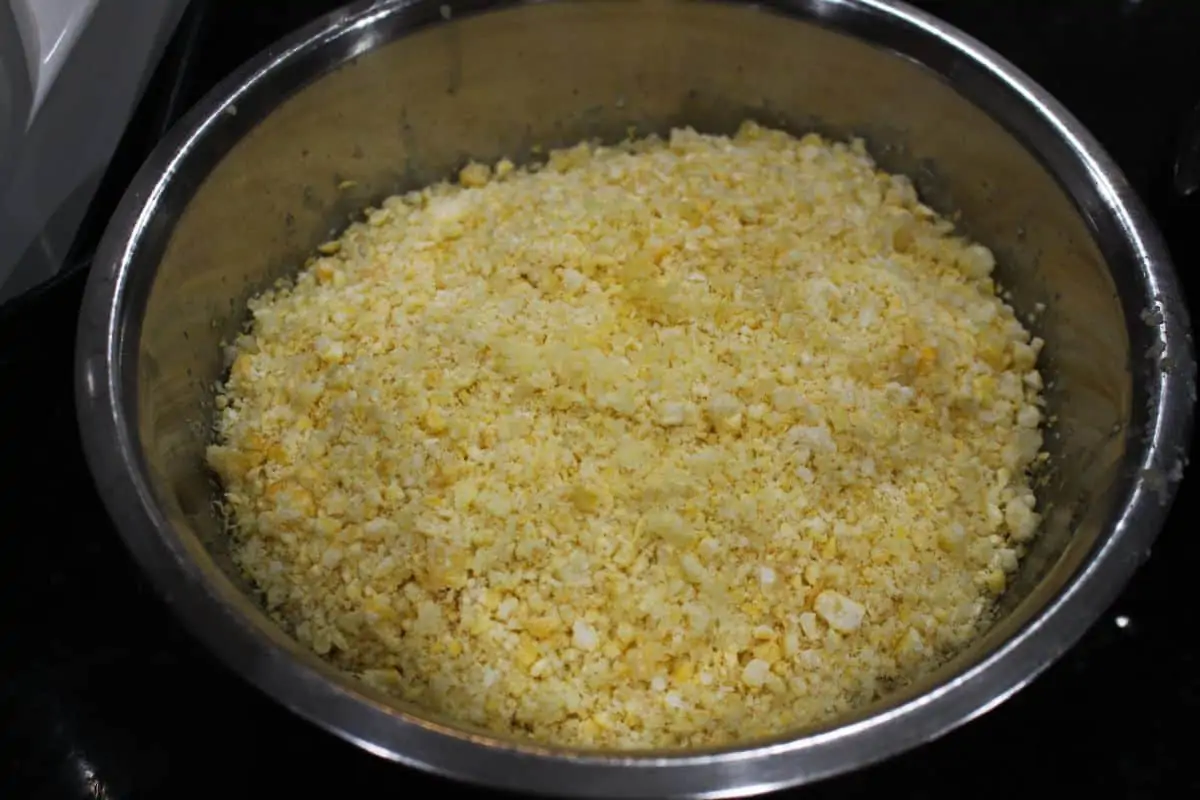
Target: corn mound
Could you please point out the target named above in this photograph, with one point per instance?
(663, 444)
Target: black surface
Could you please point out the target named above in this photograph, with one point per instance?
(103, 695)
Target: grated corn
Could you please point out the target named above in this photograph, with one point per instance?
(737, 417)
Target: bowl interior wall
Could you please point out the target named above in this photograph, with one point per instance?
(269, 181)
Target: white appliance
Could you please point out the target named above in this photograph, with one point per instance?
(71, 72)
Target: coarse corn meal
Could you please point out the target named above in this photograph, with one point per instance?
(669, 443)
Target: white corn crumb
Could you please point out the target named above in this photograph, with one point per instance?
(517, 448)
(584, 636)
(475, 175)
(672, 414)
(839, 612)
(809, 625)
(755, 672)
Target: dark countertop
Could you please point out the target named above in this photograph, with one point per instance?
(103, 695)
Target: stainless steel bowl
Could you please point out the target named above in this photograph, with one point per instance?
(392, 94)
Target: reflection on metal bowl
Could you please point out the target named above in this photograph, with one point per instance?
(390, 95)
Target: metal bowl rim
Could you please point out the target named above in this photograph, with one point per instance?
(110, 442)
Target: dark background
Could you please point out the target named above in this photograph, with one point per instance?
(103, 695)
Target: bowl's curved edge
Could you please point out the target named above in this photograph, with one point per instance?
(105, 426)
